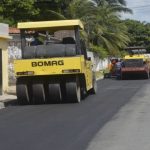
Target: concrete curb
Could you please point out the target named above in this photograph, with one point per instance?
(2, 105)
(100, 78)
(6, 100)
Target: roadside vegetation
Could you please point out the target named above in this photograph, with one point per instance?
(139, 33)
(105, 32)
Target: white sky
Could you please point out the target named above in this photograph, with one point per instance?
(141, 10)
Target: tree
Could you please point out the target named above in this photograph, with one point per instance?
(139, 33)
(101, 18)
(102, 23)
(15, 10)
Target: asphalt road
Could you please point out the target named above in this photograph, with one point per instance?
(129, 128)
(64, 126)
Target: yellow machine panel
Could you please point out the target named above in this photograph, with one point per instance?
(135, 56)
(54, 66)
(49, 66)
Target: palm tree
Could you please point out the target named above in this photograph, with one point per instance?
(102, 22)
(110, 2)
(80, 9)
(108, 30)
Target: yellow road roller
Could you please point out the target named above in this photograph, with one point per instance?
(54, 67)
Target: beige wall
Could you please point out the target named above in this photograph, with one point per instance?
(4, 46)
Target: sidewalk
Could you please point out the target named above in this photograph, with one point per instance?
(9, 97)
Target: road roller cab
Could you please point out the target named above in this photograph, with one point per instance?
(54, 65)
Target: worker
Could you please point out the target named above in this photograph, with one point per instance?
(118, 67)
(36, 40)
(113, 63)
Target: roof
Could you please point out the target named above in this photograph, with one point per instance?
(5, 37)
(52, 25)
(14, 30)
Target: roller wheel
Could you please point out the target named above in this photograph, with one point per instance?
(22, 94)
(125, 76)
(73, 92)
(54, 93)
(146, 76)
(94, 87)
(38, 94)
(83, 92)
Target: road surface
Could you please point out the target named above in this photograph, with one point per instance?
(65, 126)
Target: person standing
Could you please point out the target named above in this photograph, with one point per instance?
(118, 67)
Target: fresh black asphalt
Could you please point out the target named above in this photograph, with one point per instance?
(64, 126)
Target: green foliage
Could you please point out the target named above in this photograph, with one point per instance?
(99, 50)
(101, 18)
(123, 53)
(26, 10)
(102, 22)
(139, 33)
(15, 10)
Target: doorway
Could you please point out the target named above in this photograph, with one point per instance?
(1, 74)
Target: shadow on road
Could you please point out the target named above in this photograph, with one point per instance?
(10, 102)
